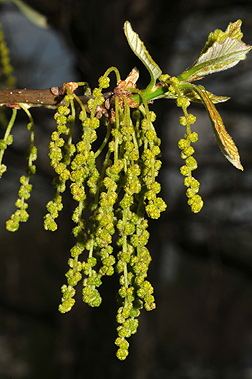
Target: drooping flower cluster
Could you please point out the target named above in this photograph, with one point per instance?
(133, 258)
(115, 196)
(194, 200)
(60, 152)
(112, 201)
(21, 214)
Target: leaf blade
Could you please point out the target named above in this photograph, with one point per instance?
(222, 51)
(139, 49)
(224, 140)
(194, 97)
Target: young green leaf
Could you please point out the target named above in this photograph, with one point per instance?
(223, 50)
(224, 140)
(141, 52)
(193, 96)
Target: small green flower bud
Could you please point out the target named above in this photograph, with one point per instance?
(125, 257)
(9, 140)
(150, 135)
(197, 199)
(158, 165)
(196, 207)
(75, 251)
(66, 305)
(3, 168)
(183, 120)
(92, 261)
(164, 78)
(195, 185)
(193, 137)
(190, 192)
(149, 307)
(95, 123)
(182, 144)
(174, 79)
(97, 92)
(188, 151)
(3, 144)
(63, 110)
(191, 163)
(122, 292)
(187, 181)
(122, 354)
(185, 170)
(191, 118)
(149, 299)
(183, 102)
(104, 82)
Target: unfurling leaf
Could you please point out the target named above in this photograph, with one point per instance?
(193, 96)
(224, 140)
(141, 52)
(223, 50)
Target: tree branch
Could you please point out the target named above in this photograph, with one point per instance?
(50, 97)
(43, 97)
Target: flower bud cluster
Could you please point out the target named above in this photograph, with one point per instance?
(105, 220)
(126, 226)
(73, 276)
(104, 188)
(129, 311)
(21, 214)
(59, 153)
(150, 169)
(123, 191)
(84, 173)
(133, 263)
(90, 294)
(104, 81)
(194, 200)
(138, 195)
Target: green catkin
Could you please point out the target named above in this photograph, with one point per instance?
(138, 199)
(8, 80)
(83, 173)
(21, 214)
(115, 196)
(195, 201)
(60, 153)
(113, 202)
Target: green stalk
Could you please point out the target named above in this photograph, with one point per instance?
(149, 94)
(8, 130)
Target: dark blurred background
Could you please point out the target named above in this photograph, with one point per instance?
(202, 264)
